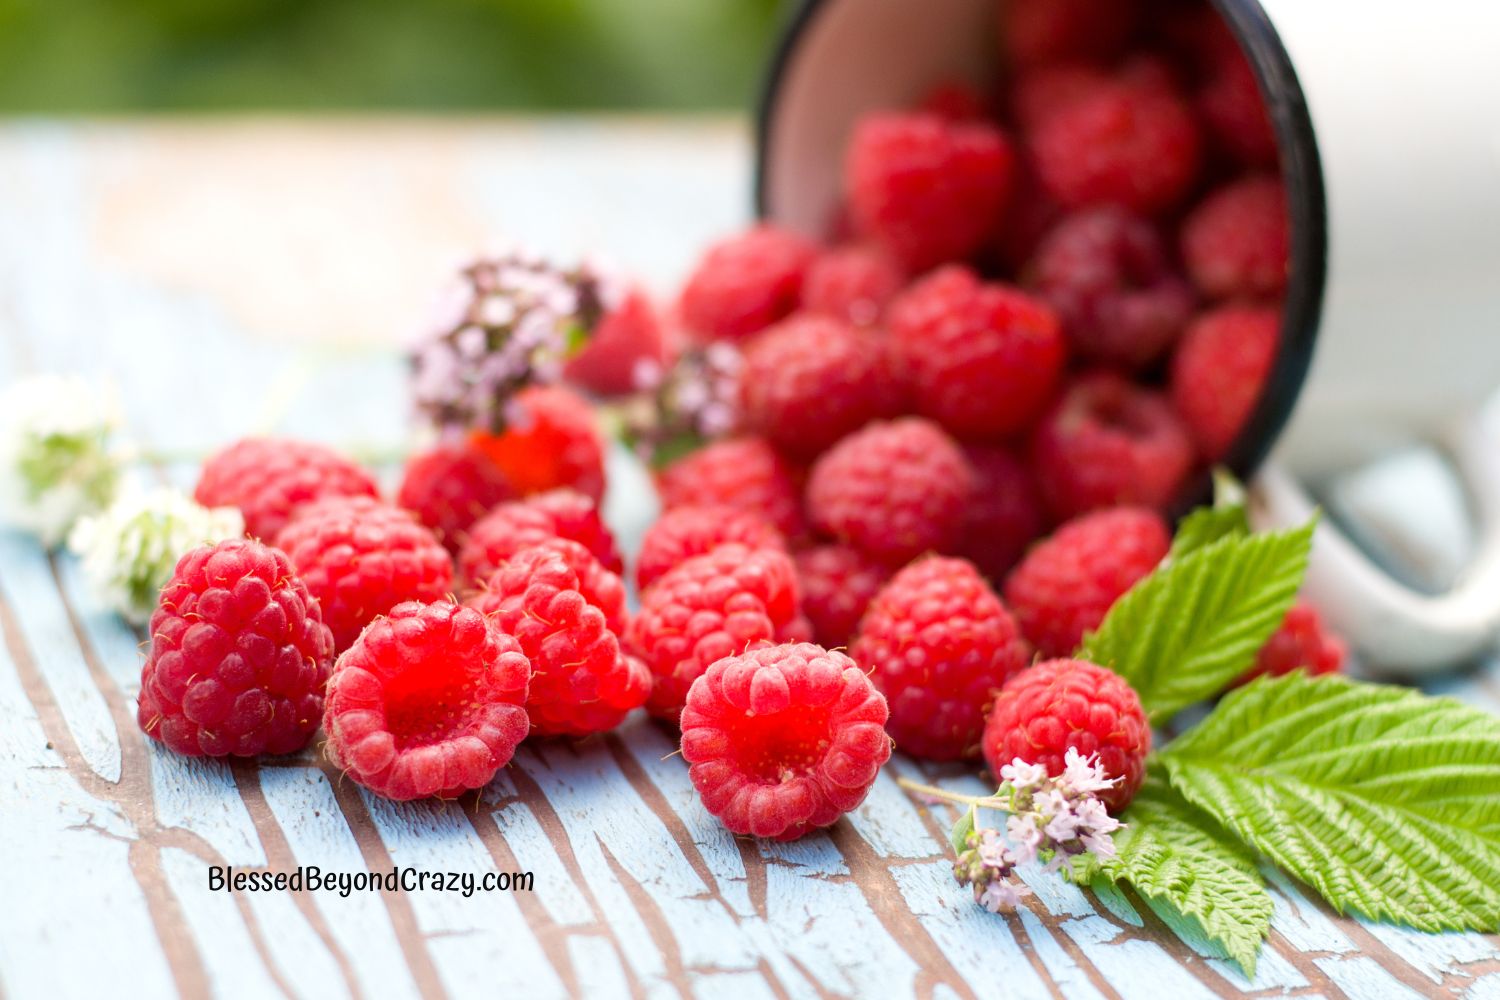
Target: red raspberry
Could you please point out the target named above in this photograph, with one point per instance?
(1219, 370)
(1108, 441)
(1038, 31)
(811, 380)
(239, 655)
(1038, 94)
(1231, 106)
(625, 337)
(449, 488)
(744, 473)
(360, 558)
(1237, 243)
(838, 583)
(518, 525)
(1067, 584)
(684, 532)
(1108, 276)
(712, 606)
(1301, 643)
(939, 644)
(852, 283)
(894, 489)
(553, 442)
(269, 478)
(745, 283)
(428, 701)
(1133, 144)
(1006, 513)
(983, 359)
(1031, 215)
(1062, 704)
(926, 189)
(567, 611)
(783, 740)
(955, 101)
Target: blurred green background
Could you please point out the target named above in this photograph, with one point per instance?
(115, 56)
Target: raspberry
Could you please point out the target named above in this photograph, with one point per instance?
(955, 101)
(684, 532)
(449, 488)
(712, 606)
(1301, 643)
(1107, 275)
(360, 558)
(553, 441)
(628, 335)
(518, 525)
(566, 610)
(1108, 441)
(1131, 143)
(838, 583)
(926, 189)
(745, 473)
(1230, 104)
(1030, 216)
(983, 359)
(428, 701)
(745, 283)
(810, 380)
(783, 740)
(852, 283)
(1062, 704)
(1039, 94)
(1038, 31)
(1219, 370)
(1006, 513)
(939, 644)
(894, 489)
(1236, 243)
(269, 478)
(1067, 583)
(239, 655)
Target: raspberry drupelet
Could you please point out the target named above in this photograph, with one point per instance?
(746, 473)
(1300, 643)
(684, 532)
(939, 644)
(517, 525)
(567, 610)
(783, 740)
(894, 489)
(239, 655)
(1060, 704)
(1066, 584)
(449, 487)
(427, 702)
(719, 604)
(360, 558)
(269, 478)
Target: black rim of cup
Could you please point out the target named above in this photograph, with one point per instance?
(1302, 173)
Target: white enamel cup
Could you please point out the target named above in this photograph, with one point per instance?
(1388, 117)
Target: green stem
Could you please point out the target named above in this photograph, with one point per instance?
(982, 801)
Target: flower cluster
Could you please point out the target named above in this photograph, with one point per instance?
(1055, 819)
(129, 551)
(679, 408)
(508, 322)
(59, 459)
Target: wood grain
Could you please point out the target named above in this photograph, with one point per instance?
(208, 270)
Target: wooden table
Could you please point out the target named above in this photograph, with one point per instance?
(261, 275)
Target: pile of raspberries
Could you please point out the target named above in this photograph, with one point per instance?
(1037, 315)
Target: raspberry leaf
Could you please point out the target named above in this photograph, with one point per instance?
(1207, 525)
(1201, 880)
(959, 835)
(1384, 800)
(1196, 624)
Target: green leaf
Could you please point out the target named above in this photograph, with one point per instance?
(1193, 626)
(959, 835)
(1384, 800)
(1180, 859)
(1207, 525)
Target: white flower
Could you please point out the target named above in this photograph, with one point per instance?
(1019, 774)
(58, 456)
(130, 550)
(1002, 894)
(1085, 774)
